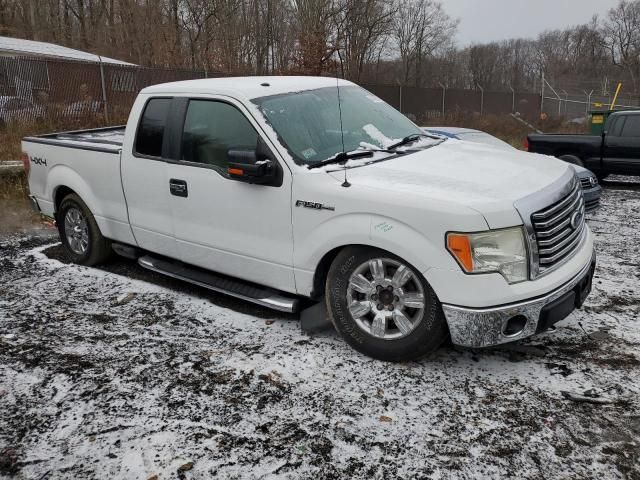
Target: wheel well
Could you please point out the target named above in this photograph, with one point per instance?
(562, 153)
(61, 192)
(322, 270)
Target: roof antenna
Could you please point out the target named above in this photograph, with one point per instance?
(346, 183)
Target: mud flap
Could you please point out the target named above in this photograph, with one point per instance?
(315, 318)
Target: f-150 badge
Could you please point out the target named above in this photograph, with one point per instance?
(314, 205)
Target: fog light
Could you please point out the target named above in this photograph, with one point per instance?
(514, 326)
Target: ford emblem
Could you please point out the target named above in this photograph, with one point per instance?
(576, 218)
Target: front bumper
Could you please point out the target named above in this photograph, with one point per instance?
(485, 327)
(592, 198)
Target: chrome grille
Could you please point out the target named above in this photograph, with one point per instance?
(559, 229)
(586, 182)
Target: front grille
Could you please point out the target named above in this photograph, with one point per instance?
(559, 229)
(591, 204)
(586, 183)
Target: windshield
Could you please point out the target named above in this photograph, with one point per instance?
(308, 122)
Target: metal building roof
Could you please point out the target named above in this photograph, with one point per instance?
(19, 46)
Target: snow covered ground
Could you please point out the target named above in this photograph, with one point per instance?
(120, 373)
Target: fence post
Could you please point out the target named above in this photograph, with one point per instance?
(104, 92)
(481, 99)
(444, 94)
(542, 97)
(400, 102)
(566, 103)
(513, 99)
(588, 101)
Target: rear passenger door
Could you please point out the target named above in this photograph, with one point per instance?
(622, 145)
(145, 179)
(236, 228)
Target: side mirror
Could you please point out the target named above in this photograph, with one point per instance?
(244, 167)
(254, 166)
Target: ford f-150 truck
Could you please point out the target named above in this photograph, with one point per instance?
(286, 190)
(616, 151)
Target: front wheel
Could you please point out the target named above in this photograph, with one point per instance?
(79, 232)
(382, 306)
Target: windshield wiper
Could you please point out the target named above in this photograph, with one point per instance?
(343, 157)
(414, 137)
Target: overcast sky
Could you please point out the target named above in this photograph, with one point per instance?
(488, 20)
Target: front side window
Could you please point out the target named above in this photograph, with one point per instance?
(308, 122)
(616, 126)
(213, 128)
(632, 126)
(151, 129)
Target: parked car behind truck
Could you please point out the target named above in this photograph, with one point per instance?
(616, 151)
(250, 186)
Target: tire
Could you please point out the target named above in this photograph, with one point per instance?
(384, 339)
(572, 159)
(81, 238)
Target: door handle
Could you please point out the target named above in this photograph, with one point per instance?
(178, 188)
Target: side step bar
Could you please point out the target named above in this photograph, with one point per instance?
(221, 283)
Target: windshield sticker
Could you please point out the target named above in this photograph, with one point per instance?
(375, 99)
(308, 153)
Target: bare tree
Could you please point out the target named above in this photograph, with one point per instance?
(421, 28)
(621, 32)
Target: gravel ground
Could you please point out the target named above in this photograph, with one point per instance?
(120, 373)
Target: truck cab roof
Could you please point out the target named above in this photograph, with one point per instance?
(245, 87)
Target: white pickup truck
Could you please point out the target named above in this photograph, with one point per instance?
(287, 190)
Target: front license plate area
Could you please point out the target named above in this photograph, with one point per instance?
(561, 307)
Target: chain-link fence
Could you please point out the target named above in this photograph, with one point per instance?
(574, 101)
(75, 94)
(427, 103)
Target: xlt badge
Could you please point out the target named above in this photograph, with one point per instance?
(313, 205)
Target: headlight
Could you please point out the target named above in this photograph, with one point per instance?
(501, 251)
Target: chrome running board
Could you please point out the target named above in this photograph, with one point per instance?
(221, 283)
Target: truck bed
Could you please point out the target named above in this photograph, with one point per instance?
(586, 147)
(107, 139)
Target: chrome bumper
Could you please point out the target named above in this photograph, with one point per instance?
(485, 327)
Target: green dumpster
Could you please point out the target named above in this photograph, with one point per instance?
(597, 120)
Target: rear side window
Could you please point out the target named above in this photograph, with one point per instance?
(152, 126)
(631, 126)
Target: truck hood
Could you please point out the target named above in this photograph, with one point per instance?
(486, 179)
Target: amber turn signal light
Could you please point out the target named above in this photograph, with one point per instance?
(235, 171)
(460, 247)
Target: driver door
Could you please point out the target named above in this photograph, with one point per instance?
(222, 224)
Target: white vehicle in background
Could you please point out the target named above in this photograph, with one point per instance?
(16, 109)
(263, 188)
(469, 135)
(83, 108)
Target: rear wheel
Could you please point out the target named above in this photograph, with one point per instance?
(572, 159)
(80, 234)
(382, 306)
